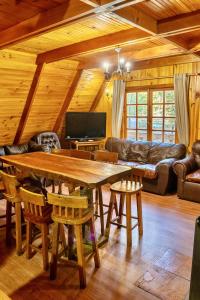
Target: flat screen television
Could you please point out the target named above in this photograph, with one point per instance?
(85, 125)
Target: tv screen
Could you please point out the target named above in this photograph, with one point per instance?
(85, 125)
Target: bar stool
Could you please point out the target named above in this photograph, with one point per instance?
(74, 211)
(11, 194)
(38, 212)
(112, 158)
(126, 189)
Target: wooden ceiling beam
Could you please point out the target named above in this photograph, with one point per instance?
(68, 12)
(149, 63)
(28, 104)
(99, 95)
(179, 24)
(68, 99)
(114, 4)
(96, 44)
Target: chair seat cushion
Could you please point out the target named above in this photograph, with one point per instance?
(194, 176)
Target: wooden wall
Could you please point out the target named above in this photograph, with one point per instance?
(148, 77)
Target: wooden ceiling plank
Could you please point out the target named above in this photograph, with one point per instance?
(99, 95)
(42, 22)
(28, 104)
(68, 99)
(98, 43)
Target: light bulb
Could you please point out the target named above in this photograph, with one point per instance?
(106, 66)
(128, 66)
(122, 61)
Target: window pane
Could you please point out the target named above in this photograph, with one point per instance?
(142, 110)
(131, 123)
(170, 110)
(131, 134)
(169, 137)
(169, 97)
(157, 123)
(158, 97)
(131, 110)
(131, 98)
(142, 123)
(158, 110)
(157, 136)
(169, 124)
(142, 135)
(142, 97)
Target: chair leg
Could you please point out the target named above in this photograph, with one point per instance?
(70, 241)
(54, 255)
(18, 224)
(139, 211)
(94, 243)
(8, 222)
(63, 239)
(121, 209)
(109, 217)
(128, 220)
(115, 206)
(96, 208)
(28, 239)
(80, 254)
(45, 244)
(101, 210)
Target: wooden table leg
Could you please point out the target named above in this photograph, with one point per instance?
(109, 217)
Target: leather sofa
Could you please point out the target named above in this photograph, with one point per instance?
(48, 140)
(188, 173)
(155, 158)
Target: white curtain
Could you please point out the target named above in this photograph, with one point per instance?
(117, 106)
(181, 89)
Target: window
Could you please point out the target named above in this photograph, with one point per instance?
(151, 115)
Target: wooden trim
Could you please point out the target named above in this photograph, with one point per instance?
(99, 95)
(146, 87)
(28, 104)
(68, 99)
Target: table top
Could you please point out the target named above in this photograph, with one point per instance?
(84, 172)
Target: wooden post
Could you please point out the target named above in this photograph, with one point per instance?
(68, 99)
(28, 104)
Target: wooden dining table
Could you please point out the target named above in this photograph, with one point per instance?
(59, 167)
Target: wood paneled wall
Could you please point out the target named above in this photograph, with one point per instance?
(147, 77)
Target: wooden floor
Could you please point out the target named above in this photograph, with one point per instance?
(168, 229)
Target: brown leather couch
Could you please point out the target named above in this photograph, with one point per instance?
(155, 158)
(48, 140)
(188, 173)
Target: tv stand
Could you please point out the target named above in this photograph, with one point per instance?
(88, 145)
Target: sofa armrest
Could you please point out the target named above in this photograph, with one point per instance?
(34, 147)
(184, 167)
(165, 163)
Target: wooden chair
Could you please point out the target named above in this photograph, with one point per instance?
(126, 189)
(73, 211)
(108, 157)
(36, 211)
(11, 194)
(73, 153)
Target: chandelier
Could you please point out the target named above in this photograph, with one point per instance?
(123, 68)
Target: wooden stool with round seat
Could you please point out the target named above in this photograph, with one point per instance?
(74, 211)
(126, 189)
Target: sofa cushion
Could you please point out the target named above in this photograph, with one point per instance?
(16, 149)
(160, 151)
(194, 176)
(150, 171)
(121, 146)
(138, 151)
(131, 164)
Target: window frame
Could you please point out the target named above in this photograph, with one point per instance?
(150, 104)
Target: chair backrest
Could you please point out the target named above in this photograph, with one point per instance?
(106, 156)
(67, 207)
(10, 184)
(137, 175)
(33, 202)
(73, 153)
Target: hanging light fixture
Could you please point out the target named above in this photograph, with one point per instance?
(123, 68)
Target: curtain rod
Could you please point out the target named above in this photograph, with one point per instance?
(161, 77)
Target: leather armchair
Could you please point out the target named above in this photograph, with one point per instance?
(188, 173)
(48, 140)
